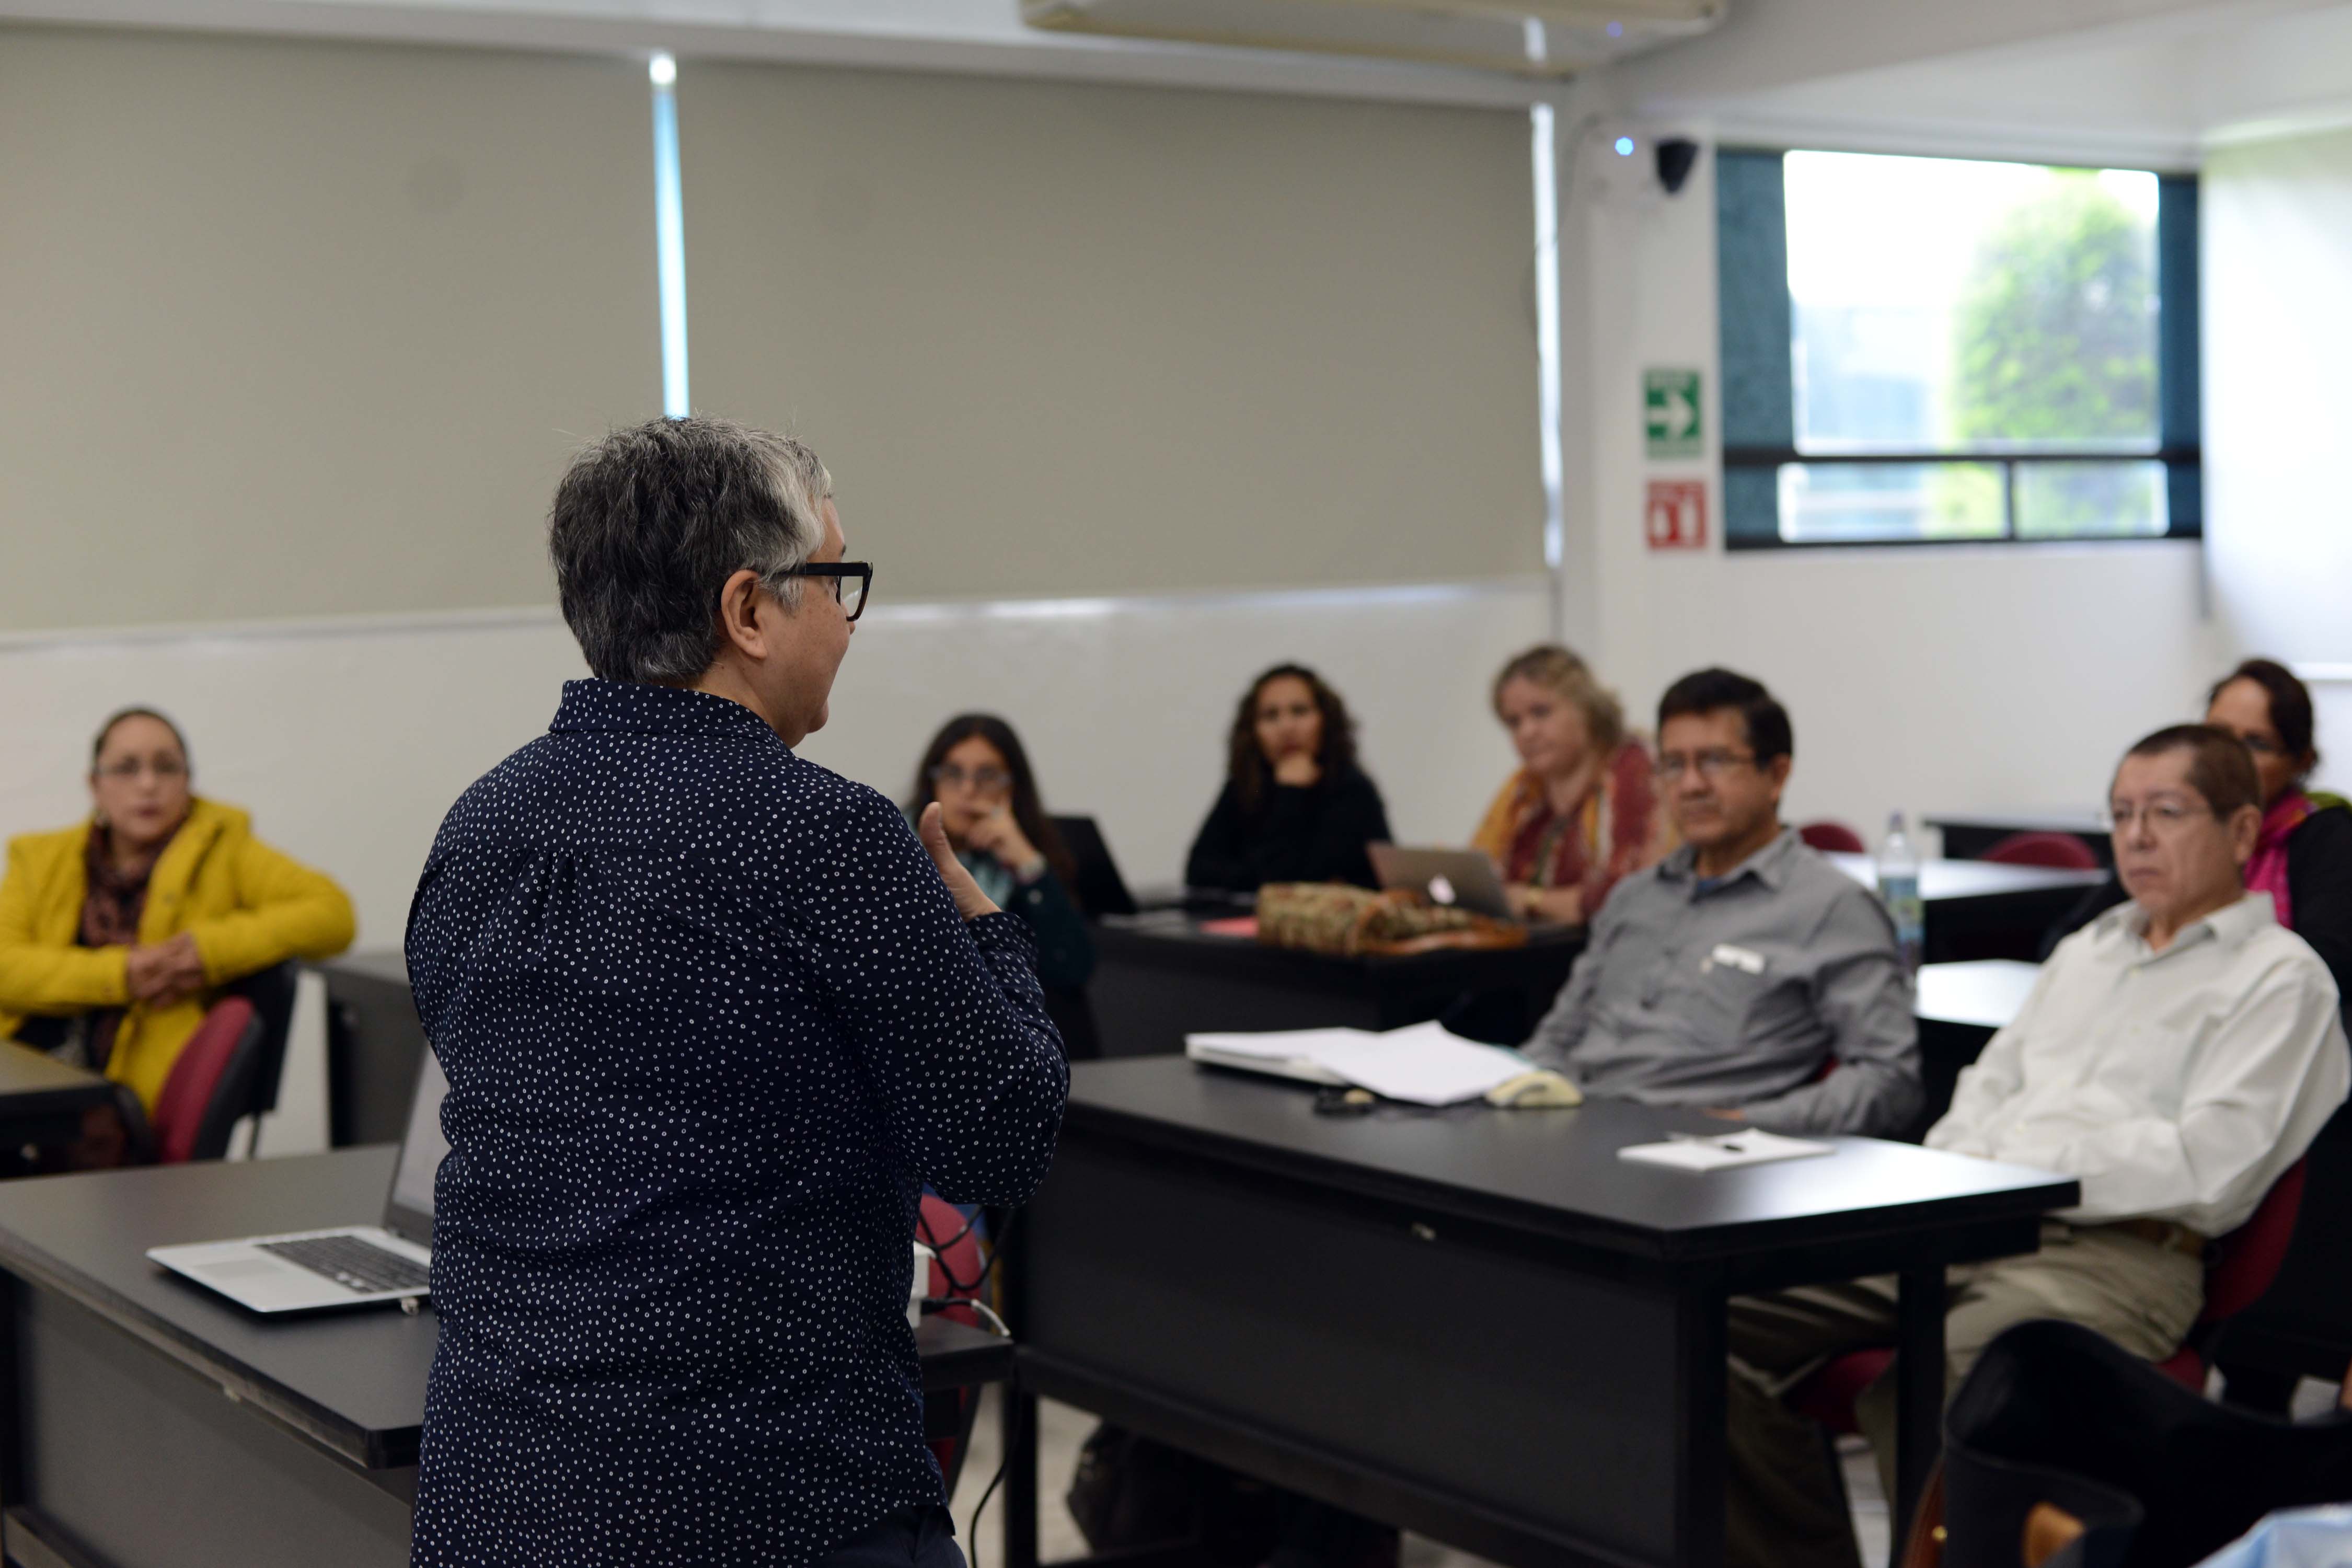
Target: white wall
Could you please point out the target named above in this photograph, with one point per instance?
(1920, 678)
(2278, 409)
(348, 740)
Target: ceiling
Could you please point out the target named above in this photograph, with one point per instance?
(2147, 81)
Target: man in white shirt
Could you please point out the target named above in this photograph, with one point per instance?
(2176, 1056)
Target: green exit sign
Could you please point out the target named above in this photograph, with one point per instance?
(1670, 414)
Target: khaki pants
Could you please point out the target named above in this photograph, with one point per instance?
(1785, 1507)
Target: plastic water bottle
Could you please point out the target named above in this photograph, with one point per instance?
(1898, 888)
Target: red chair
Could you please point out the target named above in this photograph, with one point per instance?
(2242, 1269)
(1832, 838)
(958, 1258)
(211, 1084)
(2061, 851)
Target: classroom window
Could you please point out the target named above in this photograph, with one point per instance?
(1919, 349)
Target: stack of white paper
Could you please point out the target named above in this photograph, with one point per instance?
(1422, 1063)
(1753, 1146)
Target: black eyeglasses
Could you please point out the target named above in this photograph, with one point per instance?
(852, 581)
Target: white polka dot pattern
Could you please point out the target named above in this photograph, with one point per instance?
(710, 1022)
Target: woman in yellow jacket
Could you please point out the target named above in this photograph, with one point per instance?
(127, 925)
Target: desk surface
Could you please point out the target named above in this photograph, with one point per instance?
(31, 1079)
(1942, 879)
(1985, 991)
(353, 1382)
(2084, 821)
(1554, 1172)
(1174, 929)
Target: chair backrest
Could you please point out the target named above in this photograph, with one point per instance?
(272, 992)
(2063, 851)
(211, 1084)
(942, 1228)
(2251, 1255)
(1832, 838)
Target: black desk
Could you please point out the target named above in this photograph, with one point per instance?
(1480, 1325)
(149, 1421)
(42, 1099)
(1968, 834)
(1160, 977)
(373, 1045)
(1980, 909)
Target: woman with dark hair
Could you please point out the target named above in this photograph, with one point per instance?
(978, 771)
(1296, 808)
(116, 935)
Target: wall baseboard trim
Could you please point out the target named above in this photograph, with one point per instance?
(324, 628)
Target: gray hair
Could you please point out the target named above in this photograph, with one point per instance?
(650, 523)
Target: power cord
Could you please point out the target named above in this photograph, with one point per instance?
(1013, 1441)
(941, 1303)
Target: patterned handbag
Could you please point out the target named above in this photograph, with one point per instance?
(1334, 918)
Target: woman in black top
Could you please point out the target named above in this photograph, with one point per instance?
(978, 771)
(1296, 808)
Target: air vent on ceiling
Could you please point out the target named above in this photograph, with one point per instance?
(1541, 37)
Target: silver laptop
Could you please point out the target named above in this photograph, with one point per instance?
(1458, 879)
(352, 1265)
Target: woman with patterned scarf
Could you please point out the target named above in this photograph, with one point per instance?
(1582, 811)
(118, 933)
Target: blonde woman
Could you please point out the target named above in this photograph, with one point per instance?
(1582, 810)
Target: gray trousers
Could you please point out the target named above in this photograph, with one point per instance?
(1785, 1508)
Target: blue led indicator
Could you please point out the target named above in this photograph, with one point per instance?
(1625, 146)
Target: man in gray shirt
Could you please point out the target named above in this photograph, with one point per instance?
(1744, 974)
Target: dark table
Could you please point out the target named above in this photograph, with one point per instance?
(374, 1044)
(1967, 834)
(42, 1099)
(1480, 1325)
(1980, 909)
(1160, 977)
(148, 1421)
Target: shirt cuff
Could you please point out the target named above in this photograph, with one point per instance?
(1004, 931)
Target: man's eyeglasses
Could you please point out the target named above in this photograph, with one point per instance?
(1711, 765)
(2161, 815)
(852, 581)
(988, 781)
(164, 768)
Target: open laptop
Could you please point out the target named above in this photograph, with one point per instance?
(349, 1266)
(1456, 878)
(1101, 890)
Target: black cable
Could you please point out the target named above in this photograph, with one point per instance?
(1013, 1441)
(957, 1286)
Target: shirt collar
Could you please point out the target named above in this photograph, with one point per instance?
(634, 707)
(2232, 925)
(1769, 865)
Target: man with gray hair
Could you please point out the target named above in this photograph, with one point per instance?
(712, 1018)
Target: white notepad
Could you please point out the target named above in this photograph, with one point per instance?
(1749, 1146)
(1422, 1062)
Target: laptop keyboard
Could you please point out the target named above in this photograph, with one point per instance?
(348, 1260)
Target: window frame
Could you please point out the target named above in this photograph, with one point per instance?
(1756, 324)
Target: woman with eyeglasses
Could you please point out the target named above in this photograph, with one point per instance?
(978, 771)
(118, 933)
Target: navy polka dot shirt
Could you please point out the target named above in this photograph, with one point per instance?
(710, 1022)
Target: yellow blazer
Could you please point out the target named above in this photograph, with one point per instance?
(247, 906)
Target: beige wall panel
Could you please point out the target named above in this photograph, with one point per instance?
(1059, 338)
(293, 328)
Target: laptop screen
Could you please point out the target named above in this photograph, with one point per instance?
(409, 1212)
